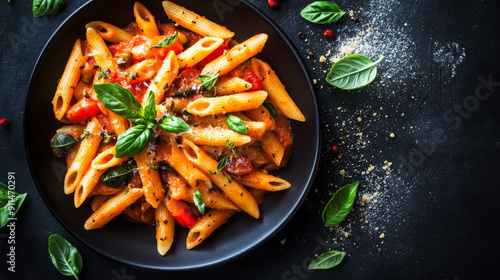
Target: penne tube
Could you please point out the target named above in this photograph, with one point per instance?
(231, 85)
(86, 185)
(263, 181)
(235, 56)
(258, 158)
(216, 136)
(145, 20)
(194, 22)
(119, 123)
(107, 159)
(198, 51)
(86, 152)
(206, 225)
(234, 191)
(226, 104)
(100, 51)
(193, 176)
(142, 71)
(153, 188)
(69, 81)
(165, 76)
(172, 104)
(165, 229)
(261, 114)
(272, 147)
(110, 32)
(113, 207)
(278, 95)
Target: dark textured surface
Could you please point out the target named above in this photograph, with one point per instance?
(439, 216)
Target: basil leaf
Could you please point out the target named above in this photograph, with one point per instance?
(208, 81)
(121, 101)
(150, 108)
(134, 140)
(64, 256)
(270, 107)
(340, 205)
(327, 260)
(62, 143)
(198, 202)
(353, 72)
(173, 124)
(222, 163)
(236, 124)
(46, 7)
(10, 202)
(232, 147)
(322, 12)
(118, 176)
(167, 42)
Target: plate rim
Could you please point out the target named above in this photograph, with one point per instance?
(220, 261)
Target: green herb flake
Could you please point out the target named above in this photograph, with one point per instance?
(118, 176)
(232, 147)
(167, 42)
(270, 107)
(222, 163)
(208, 81)
(199, 202)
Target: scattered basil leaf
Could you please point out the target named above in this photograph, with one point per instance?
(150, 108)
(121, 101)
(270, 107)
(208, 81)
(64, 256)
(353, 72)
(340, 205)
(322, 12)
(198, 202)
(119, 176)
(222, 163)
(62, 143)
(327, 260)
(10, 202)
(165, 43)
(46, 7)
(236, 124)
(86, 134)
(173, 124)
(232, 147)
(133, 140)
(153, 167)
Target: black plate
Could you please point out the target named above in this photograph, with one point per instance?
(135, 244)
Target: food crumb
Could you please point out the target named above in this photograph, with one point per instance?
(322, 59)
(342, 172)
(392, 135)
(283, 241)
(382, 235)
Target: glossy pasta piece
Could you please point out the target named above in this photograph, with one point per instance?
(216, 136)
(193, 176)
(86, 152)
(153, 188)
(278, 95)
(145, 20)
(143, 70)
(206, 225)
(272, 146)
(261, 114)
(194, 22)
(226, 104)
(234, 191)
(100, 51)
(235, 56)
(113, 207)
(107, 159)
(263, 181)
(231, 85)
(86, 185)
(110, 32)
(165, 76)
(69, 81)
(198, 51)
(165, 229)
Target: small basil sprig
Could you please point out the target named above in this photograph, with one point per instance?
(232, 147)
(118, 176)
(122, 102)
(46, 7)
(270, 107)
(220, 166)
(353, 72)
(322, 12)
(327, 260)
(65, 256)
(62, 143)
(7, 208)
(198, 202)
(208, 81)
(340, 205)
(236, 124)
(165, 43)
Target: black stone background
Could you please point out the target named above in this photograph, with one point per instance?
(441, 221)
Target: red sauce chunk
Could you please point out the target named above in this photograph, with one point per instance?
(250, 77)
(83, 110)
(239, 165)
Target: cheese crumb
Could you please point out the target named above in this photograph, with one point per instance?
(283, 241)
(382, 235)
(392, 135)
(342, 172)
(322, 59)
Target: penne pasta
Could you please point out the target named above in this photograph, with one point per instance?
(86, 185)
(153, 189)
(263, 181)
(145, 20)
(164, 77)
(226, 104)
(100, 51)
(69, 81)
(198, 51)
(110, 32)
(165, 229)
(215, 136)
(206, 225)
(231, 85)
